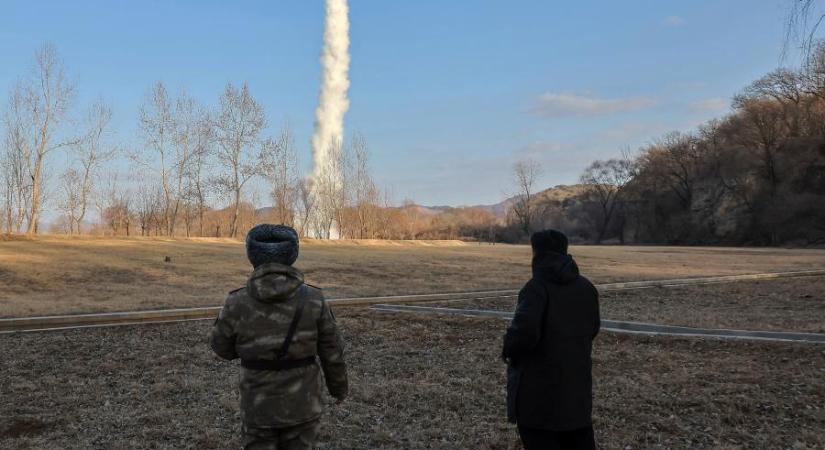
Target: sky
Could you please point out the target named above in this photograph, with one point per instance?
(449, 95)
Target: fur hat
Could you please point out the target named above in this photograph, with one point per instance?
(267, 243)
(549, 241)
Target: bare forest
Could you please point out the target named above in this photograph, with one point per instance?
(753, 177)
(189, 173)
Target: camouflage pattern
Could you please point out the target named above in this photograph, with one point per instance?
(253, 324)
(299, 437)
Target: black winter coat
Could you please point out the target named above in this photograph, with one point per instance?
(548, 346)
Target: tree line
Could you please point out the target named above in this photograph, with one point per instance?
(190, 158)
(189, 174)
(755, 176)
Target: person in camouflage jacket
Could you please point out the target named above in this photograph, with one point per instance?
(281, 394)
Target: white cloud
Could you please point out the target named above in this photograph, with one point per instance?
(674, 21)
(714, 104)
(559, 104)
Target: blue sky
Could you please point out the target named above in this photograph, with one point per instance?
(448, 94)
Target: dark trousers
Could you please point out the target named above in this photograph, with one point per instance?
(298, 437)
(537, 439)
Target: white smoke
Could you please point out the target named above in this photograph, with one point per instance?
(333, 102)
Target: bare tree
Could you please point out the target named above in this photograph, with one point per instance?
(39, 105)
(330, 191)
(90, 152)
(15, 166)
(306, 207)
(525, 174)
(606, 181)
(237, 127)
(197, 186)
(411, 215)
(786, 89)
(813, 72)
(279, 163)
(802, 25)
(365, 193)
(760, 125)
(71, 183)
(677, 158)
(783, 85)
(174, 129)
(193, 141)
(115, 205)
(158, 129)
(148, 205)
(382, 216)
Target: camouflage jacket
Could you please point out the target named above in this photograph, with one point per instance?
(253, 324)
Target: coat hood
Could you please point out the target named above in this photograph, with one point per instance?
(555, 267)
(273, 282)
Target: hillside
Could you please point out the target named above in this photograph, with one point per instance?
(558, 193)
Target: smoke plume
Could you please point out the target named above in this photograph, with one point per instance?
(333, 102)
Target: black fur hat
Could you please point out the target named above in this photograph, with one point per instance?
(267, 243)
(549, 241)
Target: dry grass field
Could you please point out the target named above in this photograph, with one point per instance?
(51, 275)
(796, 304)
(790, 304)
(418, 383)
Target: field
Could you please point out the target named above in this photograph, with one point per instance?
(52, 275)
(791, 304)
(418, 383)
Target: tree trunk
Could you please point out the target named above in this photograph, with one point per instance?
(233, 229)
(200, 219)
(35, 207)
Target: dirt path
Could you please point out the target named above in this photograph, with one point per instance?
(64, 322)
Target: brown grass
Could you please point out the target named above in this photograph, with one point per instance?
(51, 275)
(796, 304)
(22, 427)
(792, 304)
(418, 383)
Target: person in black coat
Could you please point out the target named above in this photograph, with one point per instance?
(548, 351)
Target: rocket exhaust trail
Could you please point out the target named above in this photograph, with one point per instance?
(333, 102)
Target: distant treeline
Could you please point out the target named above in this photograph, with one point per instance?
(754, 177)
(191, 172)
